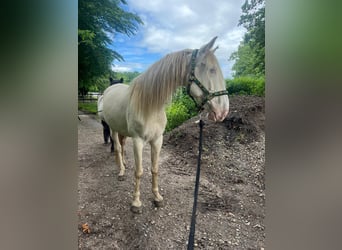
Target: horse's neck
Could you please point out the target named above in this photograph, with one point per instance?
(153, 89)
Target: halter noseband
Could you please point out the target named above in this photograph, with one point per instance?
(192, 79)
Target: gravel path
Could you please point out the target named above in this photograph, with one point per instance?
(231, 207)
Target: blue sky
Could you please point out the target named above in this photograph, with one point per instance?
(172, 25)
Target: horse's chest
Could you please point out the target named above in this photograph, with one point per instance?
(150, 129)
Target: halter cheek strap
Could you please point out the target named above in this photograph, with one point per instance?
(192, 79)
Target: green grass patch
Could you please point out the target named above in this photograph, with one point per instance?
(89, 107)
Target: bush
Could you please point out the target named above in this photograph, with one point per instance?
(246, 86)
(176, 114)
(181, 109)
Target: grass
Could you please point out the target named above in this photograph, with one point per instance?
(88, 107)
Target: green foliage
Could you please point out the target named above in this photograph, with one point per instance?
(97, 22)
(246, 62)
(101, 84)
(181, 96)
(253, 19)
(127, 76)
(176, 114)
(86, 37)
(181, 109)
(89, 107)
(250, 57)
(246, 86)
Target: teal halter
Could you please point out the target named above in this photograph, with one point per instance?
(192, 79)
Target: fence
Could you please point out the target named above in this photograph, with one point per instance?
(90, 97)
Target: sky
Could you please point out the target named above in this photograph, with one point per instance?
(173, 25)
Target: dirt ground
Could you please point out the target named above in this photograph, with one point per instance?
(231, 208)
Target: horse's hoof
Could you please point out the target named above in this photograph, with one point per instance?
(159, 203)
(136, 210)
(121, 177)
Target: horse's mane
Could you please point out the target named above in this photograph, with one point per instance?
(151, 90)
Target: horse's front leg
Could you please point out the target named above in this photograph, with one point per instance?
(155, 151)
(138, 148)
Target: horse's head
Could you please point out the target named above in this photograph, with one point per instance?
(206, 82)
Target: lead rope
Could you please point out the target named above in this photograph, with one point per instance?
(193, 217)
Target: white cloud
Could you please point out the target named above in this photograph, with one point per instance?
(127, 67)
(117, 68)
(185, 11)
(172, 25)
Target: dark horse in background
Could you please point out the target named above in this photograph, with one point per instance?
(106, 129)
(112, 81)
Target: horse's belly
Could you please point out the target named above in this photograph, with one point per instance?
(118, 125)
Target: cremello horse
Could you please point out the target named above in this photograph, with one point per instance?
(138, 110)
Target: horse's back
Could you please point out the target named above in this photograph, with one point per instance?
(115, 88)
(116, 94)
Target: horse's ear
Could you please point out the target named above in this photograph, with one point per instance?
(205, 48)
(213, 50)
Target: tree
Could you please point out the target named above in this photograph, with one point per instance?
(98, 20)
(245, 61)
(250, 57)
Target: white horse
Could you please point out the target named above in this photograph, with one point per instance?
(138, 110)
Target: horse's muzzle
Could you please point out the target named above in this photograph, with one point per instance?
(218, 115)
(218, 111)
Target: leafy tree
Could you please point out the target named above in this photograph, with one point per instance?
(250, 57)
(98, 20)
(245, 61)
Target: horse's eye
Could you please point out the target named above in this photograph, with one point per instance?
(212, 70)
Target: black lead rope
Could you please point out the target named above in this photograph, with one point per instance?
(193, 217)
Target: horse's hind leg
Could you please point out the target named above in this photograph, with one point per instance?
(155, 151)
(118, 155)
(122, 140)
